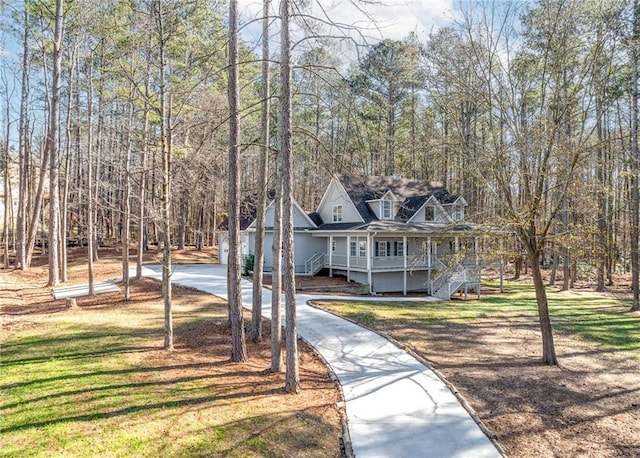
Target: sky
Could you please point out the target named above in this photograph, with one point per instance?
(374, 19)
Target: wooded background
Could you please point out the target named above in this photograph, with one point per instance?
(527, 110)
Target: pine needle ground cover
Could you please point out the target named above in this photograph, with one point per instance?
(95, 381)
(490, 349)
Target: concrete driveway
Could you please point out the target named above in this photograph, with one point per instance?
(395, 405)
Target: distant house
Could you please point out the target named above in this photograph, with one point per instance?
(392, 234)
(247, 217)
(12, 197)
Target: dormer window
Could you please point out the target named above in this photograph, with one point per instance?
(387, 209)
(458, 212)
(337, 213)
(429, 214)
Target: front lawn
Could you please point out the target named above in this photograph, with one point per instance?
(94, 381)
(490, 349)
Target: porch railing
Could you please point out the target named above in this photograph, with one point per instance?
(314, 264)
(452, 278)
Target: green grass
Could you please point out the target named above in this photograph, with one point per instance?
(588, 316)
(71, 385)
(69, 376)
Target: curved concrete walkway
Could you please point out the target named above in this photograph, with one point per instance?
(395, 405)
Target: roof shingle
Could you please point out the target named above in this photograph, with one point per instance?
(412, 193)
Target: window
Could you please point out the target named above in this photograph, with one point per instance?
(429, 214)
(387, 207)
(333, 245)
(337, 213)
(399, 249)
(362, 248)
(352, 248)
(382, 249)
(425, 248)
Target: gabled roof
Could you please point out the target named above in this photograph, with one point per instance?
(248, 211)
(340, 226)
(412, 193)
(316, 218)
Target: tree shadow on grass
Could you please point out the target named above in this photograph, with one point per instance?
(133, 409)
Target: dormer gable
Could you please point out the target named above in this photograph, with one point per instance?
(336, 206)
(431, 211)
(455, 209)
(386, 207)
(353, 199)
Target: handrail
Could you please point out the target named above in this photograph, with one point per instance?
(451, 278)
(441, 279)
(314, 264)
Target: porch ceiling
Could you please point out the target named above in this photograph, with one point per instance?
(396, 228)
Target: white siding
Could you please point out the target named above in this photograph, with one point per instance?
(300, 219)
(440, 216)
(377, 207)
(336, 195)
(390, 282)
(269, 216)
(246, 239)
(305, 246)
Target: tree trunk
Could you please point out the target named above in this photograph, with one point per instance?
(518, 267)
(98, 159)
(548, 347)
(23, 159)
(635, 166)
(292, 377)
(126, 205)
(165, 203)
(37, 217)
(90, 196)
(53, 146)
(263, 173)
(182, 225)
(554, 268)
(238, 348)
(276, 273)
(67, 168)
(142, 195)
(200, 236)
(7, 187)
(566, 270)
(602, 251)
(391, 127)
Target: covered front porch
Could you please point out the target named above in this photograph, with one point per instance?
(389, 262)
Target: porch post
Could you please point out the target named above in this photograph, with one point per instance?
(349, 258)
(429, 265)
(501, 265)
(457, 245)
(404, 272)
(369, 263)
(475, 248)
(331, 256)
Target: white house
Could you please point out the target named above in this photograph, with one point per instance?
(391, 233)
